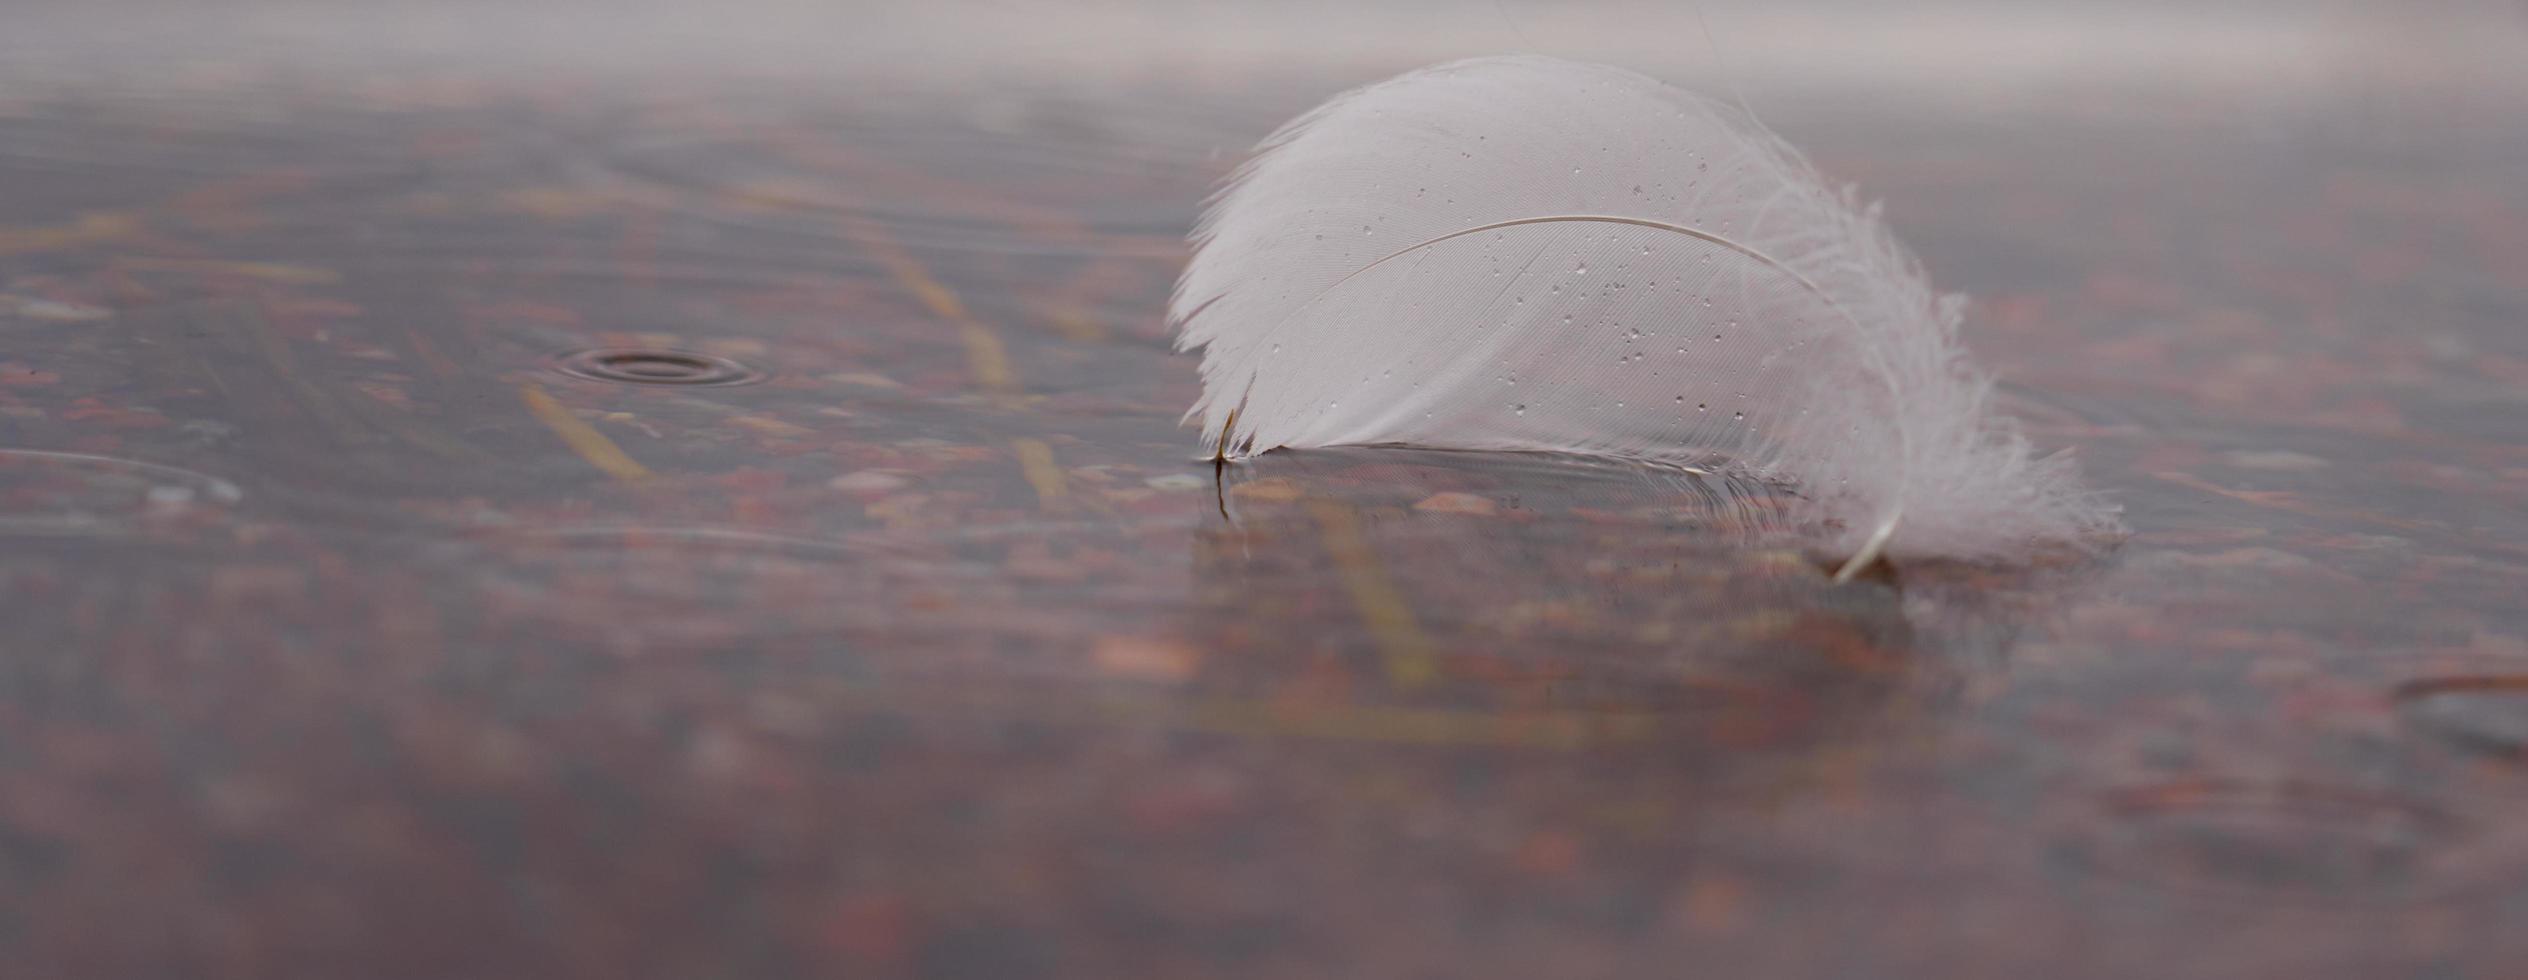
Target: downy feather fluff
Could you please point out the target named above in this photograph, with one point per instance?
(1524, 253)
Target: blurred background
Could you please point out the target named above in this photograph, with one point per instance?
(694, 490)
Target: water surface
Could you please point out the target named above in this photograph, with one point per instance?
(498, 509)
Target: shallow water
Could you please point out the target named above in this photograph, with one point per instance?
(501, 511)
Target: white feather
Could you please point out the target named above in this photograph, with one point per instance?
(1523, 253)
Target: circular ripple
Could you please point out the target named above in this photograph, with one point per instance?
(2488, 712)
(50, 493)
(650, 366)
(2279, 842)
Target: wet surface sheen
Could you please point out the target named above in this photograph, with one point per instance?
(534, 517)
